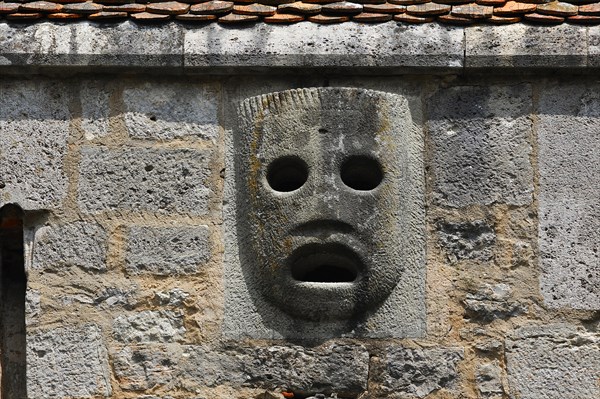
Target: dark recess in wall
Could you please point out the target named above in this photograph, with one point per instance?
(13, 283)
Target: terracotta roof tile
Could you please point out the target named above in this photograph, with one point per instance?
(299, 7)
(212, 7)
(281, 18)
(168, 8)
(316, 11)
(255, 9)
(386, 8)
(372, 17)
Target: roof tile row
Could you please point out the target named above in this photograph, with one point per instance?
(462, 12)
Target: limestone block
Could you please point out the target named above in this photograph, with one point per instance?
(480, 145)
(489, 380)
(340, 368)
(34, 127)
(149, 366)
(415, 373)
(149, 326)
(569, 209)
(491, 302)
(526, 46)
(306, 44)
(166, 251)
(70, 362)
(467, 240)
(168, 111)
(94, 96)
(32, 306)
(77, 244)
(553, 362)
(144, 179)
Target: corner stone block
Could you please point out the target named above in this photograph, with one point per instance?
(67, 363)
(167, 251)
(34, 128)
(481, 145)
(569, 209)
(168, 111)
(144, 179)
(416, 373)
(340, 368)
(78, 244)
(553, 362)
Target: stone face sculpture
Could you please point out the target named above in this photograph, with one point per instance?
(329, 201)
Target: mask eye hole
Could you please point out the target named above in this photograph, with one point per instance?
(287, 174)
(361, 173)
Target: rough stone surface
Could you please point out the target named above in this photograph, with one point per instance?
(94, 97)
(492, 302)
(149, 326)
(147, 367)
(481, 145)
(167, 111)
(34, 127)
(166, 251)
(335, 367)
(32, 306)
(529, 46)
(77, 244)
(419, 372)
(304, 45)
(489, 380)
(467, 240)
(88, 44)
(569, 210)
(553, 362)
(67, 362)
(295, 244)
(144, 179)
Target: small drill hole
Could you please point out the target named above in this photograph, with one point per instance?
(148, 168)
(153, 118)
(361, 173)
(287, 174)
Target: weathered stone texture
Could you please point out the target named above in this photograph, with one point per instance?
(492, 302)
(167, 111)
(335, 367)
(166, 251)
(569, 207)
(419, 372)
(467, 240)
(94, 97)
(150, 366)
(481, 145)
(553, 362)
(149, 326)
(34, 128)
(489, 380)
(77, 244)
(144, 179)
(69, 362)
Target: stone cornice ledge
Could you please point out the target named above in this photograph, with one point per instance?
(387, 48)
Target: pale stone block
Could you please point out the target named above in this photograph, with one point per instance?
(149, 326)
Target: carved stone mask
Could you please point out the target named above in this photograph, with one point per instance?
(324, 196)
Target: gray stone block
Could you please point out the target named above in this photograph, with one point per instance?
(166, 251)
(168, 111)
(144, 179)
(149, 326)
(90, 44)
(593, 46)
(34, 128)
(305, 44)
(467, 240)
(481, 145)
(553, 362)
(526, 46)
(339, 368)
(489, 380)
(147, 367)
(95, 108)
(491, 302)
(416, 373)
(569, 210)
(67, 362)
(77, 244)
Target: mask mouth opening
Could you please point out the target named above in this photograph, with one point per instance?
(325, 263)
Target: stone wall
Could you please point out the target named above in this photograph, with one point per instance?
(122, 180)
